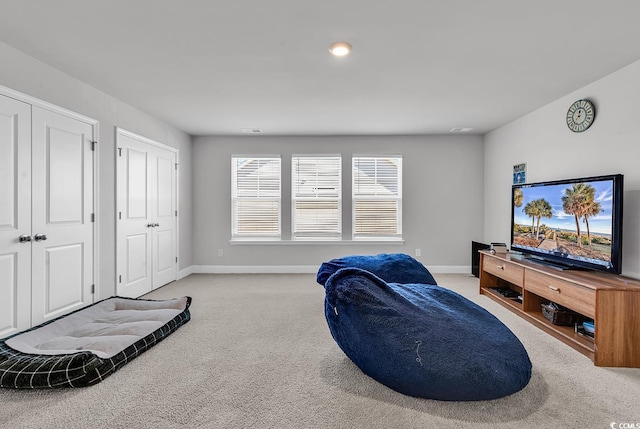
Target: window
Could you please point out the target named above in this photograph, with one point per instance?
(377, 197)
(316, 197)
(255, 195)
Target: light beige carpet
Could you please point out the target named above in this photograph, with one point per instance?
(258, 354)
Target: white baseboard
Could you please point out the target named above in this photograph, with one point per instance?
(185, 272)
(255, 269)
(295, 269)
(449, 269)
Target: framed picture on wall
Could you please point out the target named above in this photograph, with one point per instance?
(519, 174)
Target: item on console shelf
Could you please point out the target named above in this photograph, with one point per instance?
(582, 331)
(506, 292)
(498, 248)
(589, 326)
(559, 315)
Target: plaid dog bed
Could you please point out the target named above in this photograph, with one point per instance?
(61, 367)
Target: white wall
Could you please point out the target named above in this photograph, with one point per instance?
(542, 140)
(442, 208)
(34, 78)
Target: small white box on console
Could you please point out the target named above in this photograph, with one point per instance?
(498, 248)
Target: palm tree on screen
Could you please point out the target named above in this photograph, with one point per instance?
(591, 208)
(575, 201)
(529, 210)
(518, 196)
(537, 209)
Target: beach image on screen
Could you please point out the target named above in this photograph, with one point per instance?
(569, 220)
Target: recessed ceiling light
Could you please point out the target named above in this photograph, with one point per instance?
(340, 49)
(251, 130)
(460, 130)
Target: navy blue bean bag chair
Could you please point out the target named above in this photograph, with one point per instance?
(390, 267)
(423, 340)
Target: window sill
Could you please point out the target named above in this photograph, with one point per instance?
(314, 242)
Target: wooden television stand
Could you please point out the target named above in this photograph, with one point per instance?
(613, 302)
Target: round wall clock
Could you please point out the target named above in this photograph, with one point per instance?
(580, 116)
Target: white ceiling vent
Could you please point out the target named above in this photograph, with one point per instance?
(251, 130)
(460, 130)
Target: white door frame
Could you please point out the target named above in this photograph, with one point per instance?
(122, 132)
(96, 172)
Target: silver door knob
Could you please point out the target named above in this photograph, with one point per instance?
(24, 238)
(39, 237)
(156, 224)
(150, 225)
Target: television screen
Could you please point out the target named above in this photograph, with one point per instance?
(576, 223)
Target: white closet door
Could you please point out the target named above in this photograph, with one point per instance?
(15, 215)
(62, 205)
(163, 188)
(135, 228)
(146, 248)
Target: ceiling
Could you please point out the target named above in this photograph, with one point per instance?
(417, 66)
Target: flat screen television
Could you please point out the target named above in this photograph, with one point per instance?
(570, 224)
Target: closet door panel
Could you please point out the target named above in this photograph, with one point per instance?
(14, 308)
(62, 205)
(63, 278)
(136, 184)
(164, 254)
(64, 179)
(165, 188)
(15, 216)
(138, 267)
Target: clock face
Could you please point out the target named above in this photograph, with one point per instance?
(580, 116)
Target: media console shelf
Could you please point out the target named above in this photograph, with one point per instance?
(613, 302)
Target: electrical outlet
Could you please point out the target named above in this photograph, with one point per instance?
(220, 253)
(418, 252)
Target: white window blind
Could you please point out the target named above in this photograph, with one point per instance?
(377, 197)
(316, 197)
(256, 198)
